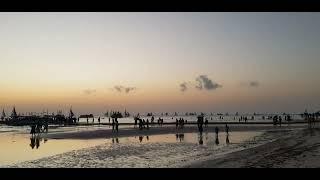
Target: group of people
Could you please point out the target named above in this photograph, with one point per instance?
(142, 123)
(311, 118)
(115, 125)
(39, 127)
(160, 121)
(243, 118)
(180, 123)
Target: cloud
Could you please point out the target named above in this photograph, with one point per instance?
(254, 84)
(183, 86)
(89, 91)
(201, 82)
(128, 89)
(124, 89)
(206, 83)
(118, 88)
(250, 84)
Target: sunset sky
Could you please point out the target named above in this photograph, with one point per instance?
(217, 62)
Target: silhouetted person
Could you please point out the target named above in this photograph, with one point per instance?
(206, 123)
(200, 128)
(99, 120)
(117, 125)
(177, 136)
(143, 123)
(33, 129)
(117, 140)
(227, 129)
(280, 120)
(113, 124)
(135, 122)
(147, 138)
(46, 127)
(92, 119)
(217, 130)
(87, 120)
(38, 128)
(140, 138)
(177, 123)
(147, 123)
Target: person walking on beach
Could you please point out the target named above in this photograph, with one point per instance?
(87, 120)
(280, 120)
(227, 129)
(113, 124)
(217, 135)
(99, 120)
(117, 125)
(206, 123)
(143, 124)
(46, 126)
(177, 123)
(140, 124)
(135, 123)
(33, 130)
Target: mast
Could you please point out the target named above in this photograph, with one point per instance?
(3, 115)
(14, 113)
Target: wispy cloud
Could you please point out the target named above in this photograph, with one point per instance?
(127, 90)
(254, 84)
(89, 91)
(183, 86)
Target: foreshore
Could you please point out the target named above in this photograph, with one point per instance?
(298, 149)
(106, 131)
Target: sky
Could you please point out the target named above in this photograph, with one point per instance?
(160, 62)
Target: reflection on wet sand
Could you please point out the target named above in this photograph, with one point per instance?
(227, 139)
(200, 138)
(115, 139)
(180, 137)
(35, 141)
(141, 138)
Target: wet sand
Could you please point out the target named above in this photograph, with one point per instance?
(106, 131)
(251, 146)
(297, 149)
